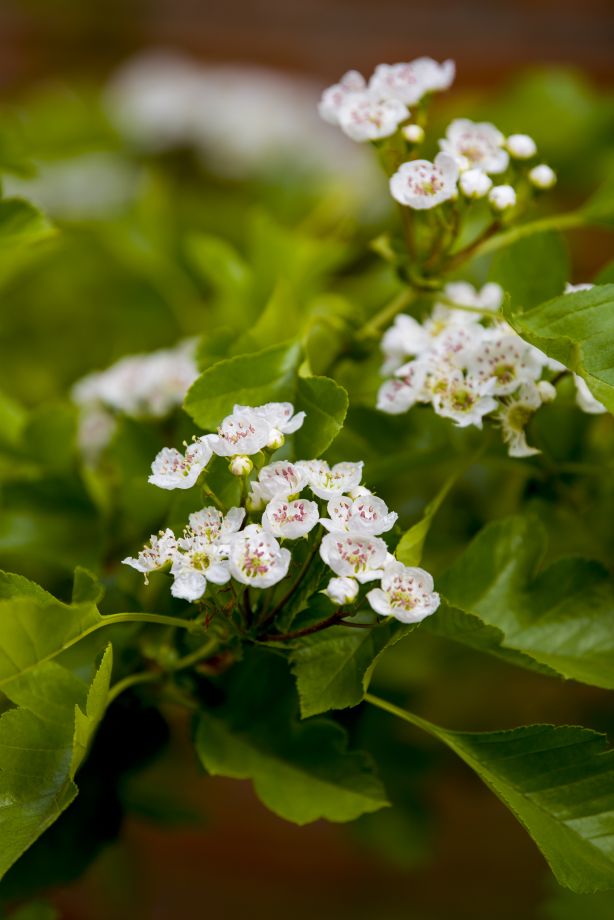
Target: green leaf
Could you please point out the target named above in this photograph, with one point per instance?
(36, 910)
(599, 209)
(302, 771)
(532, 269)
(561, 617)
(326, 404)
(42, 743)
(21, 223)
(252, 380)
(13, 420)
(333, 668)
(220, 265)
(558, 781)
(578, 330)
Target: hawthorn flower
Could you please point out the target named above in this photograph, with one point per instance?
(521, 146)
(257, 559)
(489, 298)
(281, 418)
(408, 83)
(366, 514)
(475, 145)
(278, 480)
(342, 590)
(358, 557)
(290, 519)
(507, 360)
(406, 593)
(401, 392)
(160, 550)
(462, 397)
(173, 470)
(502, 197)
(364, 117)
(330, 483)
(244, 432)
(542, 176)
(211, 526)
(474, 183)
(199, 562)
(334, 97)
(585, 399)
(421, 184)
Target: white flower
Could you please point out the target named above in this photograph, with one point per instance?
(366, 118)
(463, 398)
(521, 146)
(406, 594)
(475, 144)
(329, 483)
(342, 590)
(399, 394)
(278, 480)
(502, 197)
(199, 562)
(211, 526)
(334, 97)
(488, 299)
(405, 337)
(574, 288)
(240, 465)
(507, 359)
(367, 515)
(515, 414)
(290, 519)
(421, 184)
(359, 557)
(542, 176)
(172, 470)
(279, 415)
(414, 134)
(585, 399)
(410, 82)
(242, 432)
(257, 559)
(474, 183)
(160, 550)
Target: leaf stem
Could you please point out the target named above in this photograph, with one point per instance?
(387, 313)
(111, 619)
(333, 619)
(144, 677)
(398, 712)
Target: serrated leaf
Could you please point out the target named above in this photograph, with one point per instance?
(326, 404)
(560, 617)
(42, 743)
(410, 547)
(22, 223)
(302, 771)
(333, 668)
(558, 781)
(578, 330)
(252, 379)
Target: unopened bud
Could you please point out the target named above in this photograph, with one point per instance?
(521, 146)
(542, 176)
(413, 133)
(240, 465)
(475, 183)
(276, 439)
(502, 197)
(342, 590)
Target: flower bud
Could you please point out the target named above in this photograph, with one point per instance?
(475, 183)
(254, 502)
(342, 590)
(359, 492)
(413, 133)
(276, 439)
(502, 197)
(542, 176)
(521, 146)
(240, 465)
(546, 391)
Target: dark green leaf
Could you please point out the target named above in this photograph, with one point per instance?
(302, 771)
(532, 270)
(22, 223)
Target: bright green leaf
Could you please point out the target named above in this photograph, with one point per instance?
(22, 223)
(578, 330)
(558, 781)
(251, 379)
(560, 617)
(326, 404)
(532, 269)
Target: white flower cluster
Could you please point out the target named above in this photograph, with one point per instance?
(468, 364)
(370, 111)
(470, 153)
(140, 386)
(244, 544)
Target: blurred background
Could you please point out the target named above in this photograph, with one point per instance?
(143, 128)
